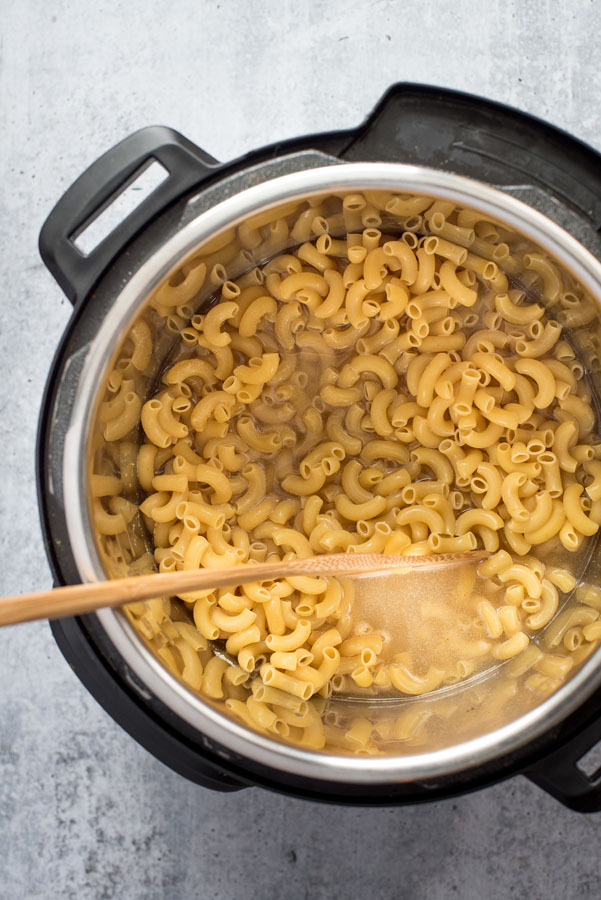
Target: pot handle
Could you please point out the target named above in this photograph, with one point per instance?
(95, 190)
(560, 774)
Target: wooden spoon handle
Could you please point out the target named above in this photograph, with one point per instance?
(85, 598)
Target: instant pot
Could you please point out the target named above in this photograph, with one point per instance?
(504, 159)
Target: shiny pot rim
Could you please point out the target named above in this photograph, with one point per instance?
(225, 731)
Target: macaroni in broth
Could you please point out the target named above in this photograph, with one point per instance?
(390, 386)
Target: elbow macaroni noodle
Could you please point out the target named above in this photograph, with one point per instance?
(389, 386)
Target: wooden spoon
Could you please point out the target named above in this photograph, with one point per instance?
(86, 598)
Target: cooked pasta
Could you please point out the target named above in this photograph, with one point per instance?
(390, 385)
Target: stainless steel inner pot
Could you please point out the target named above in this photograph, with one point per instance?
(493, 743)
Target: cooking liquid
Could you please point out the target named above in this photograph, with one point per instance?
(428, 617)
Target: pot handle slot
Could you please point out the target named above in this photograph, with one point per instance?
(102, 187)
(572, 773)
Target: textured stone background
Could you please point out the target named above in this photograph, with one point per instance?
(84, 812)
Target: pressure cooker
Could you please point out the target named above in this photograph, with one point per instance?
(418, 139)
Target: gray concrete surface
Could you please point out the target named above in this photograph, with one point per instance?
(84, 812)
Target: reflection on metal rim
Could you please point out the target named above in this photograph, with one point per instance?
(208, 721)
